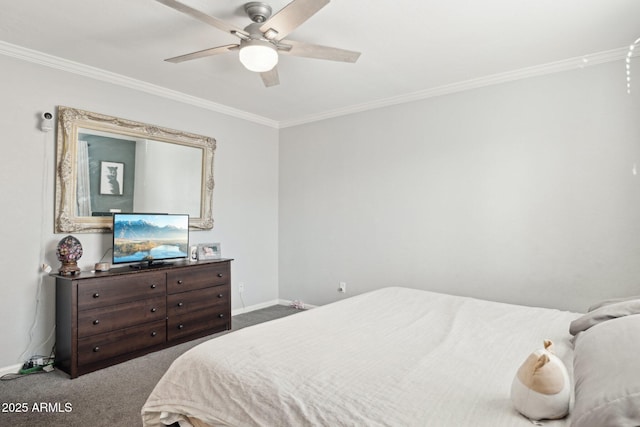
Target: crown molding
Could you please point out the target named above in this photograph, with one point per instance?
(494, 79)
(51, 61)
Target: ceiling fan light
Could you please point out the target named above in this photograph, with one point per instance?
(258, 56)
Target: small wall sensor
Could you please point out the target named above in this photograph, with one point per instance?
(46, 123)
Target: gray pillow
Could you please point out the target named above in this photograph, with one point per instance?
(606, 366)
(612, 301)
(604, 313)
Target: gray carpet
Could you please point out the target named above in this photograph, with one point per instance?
(109, 397)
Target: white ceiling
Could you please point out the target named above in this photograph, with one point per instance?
(410, 48)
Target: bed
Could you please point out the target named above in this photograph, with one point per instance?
(391, 357)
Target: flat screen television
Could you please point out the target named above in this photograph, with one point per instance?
(149, 239)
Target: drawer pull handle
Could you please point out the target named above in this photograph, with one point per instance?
(220, 295)
(179, 282)
(96, 295)
(95, 322)
(153, 286)
(96, 349)
(154, 333)
(221, 315)
(220, 274)
(180, 326)
(153, 310)
(180, 304)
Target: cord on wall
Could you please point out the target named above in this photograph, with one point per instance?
(43, 192)
(105, 254)
(242, 301)
(628, 63)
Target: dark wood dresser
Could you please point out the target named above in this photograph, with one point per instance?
(107, 318)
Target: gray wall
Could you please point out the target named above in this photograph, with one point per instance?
(245, 197)
(522, 192)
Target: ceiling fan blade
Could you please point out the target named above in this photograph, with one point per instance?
(270, 78)
(290, 17)
(201, 16)
(203, 53)
(317, 51)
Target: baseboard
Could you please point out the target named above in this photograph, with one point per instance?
(13, 369)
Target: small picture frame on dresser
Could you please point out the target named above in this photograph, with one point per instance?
(193, 253)
(209, 251)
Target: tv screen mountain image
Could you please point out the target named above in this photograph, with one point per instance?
(149, 237)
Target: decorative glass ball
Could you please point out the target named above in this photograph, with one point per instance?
(69, 251)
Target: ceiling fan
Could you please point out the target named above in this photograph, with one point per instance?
(263, 40)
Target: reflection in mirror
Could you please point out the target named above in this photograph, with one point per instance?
(106, 165)
(124, 174)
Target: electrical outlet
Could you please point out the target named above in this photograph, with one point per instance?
(342, 287)
(241, 287)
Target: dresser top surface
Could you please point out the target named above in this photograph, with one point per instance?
(134, 270)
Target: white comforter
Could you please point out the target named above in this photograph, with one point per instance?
(392, 357)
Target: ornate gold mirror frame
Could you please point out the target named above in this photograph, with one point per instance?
(70, 218)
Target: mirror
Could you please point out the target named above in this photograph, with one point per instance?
(107, 164)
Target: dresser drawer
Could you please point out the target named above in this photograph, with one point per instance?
(120, 289)
(105, 319)
(185, 302)
(104, 346)
(188, 279)
(197, 321)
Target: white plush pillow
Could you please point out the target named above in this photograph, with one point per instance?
(541, 388)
